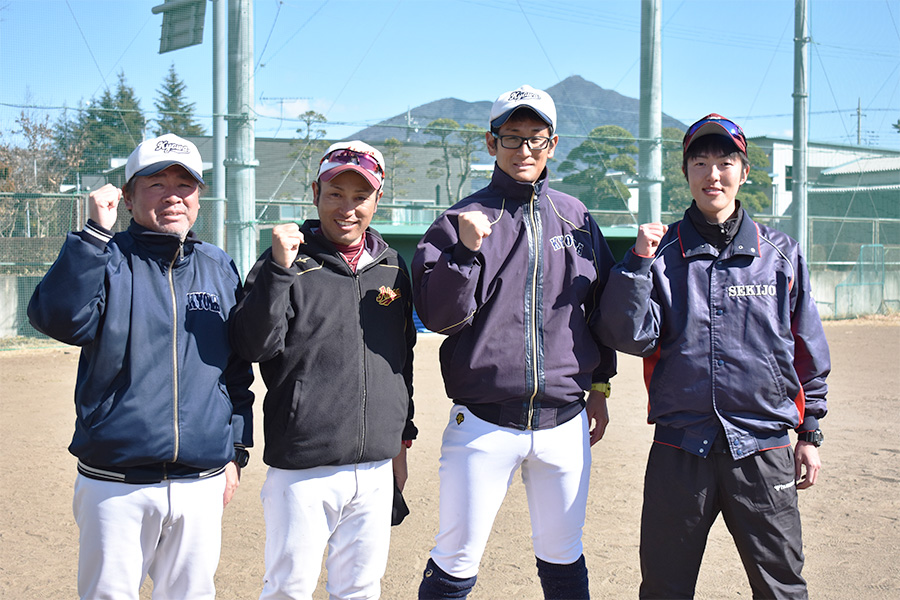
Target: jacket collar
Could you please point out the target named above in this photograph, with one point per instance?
(511, 189)
(163, 244)
(311, 228)
(745, 242)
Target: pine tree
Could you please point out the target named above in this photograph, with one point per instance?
(176, 114)
(109, 128)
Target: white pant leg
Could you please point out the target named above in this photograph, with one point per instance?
(191, 540)
(358, 549)
(556, 476)
(119, 526)
(478, 461)
(305, 510)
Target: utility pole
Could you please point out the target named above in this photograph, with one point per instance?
(801, 118)
(220, 106)
(650, 129)
(241, 163)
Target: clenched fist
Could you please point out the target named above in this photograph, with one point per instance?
(474, 226)
(286, 240)
(103, 205)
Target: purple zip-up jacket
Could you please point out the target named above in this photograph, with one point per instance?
(519, 351)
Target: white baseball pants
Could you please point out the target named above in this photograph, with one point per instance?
(478, 462)
(171, 530)
(346, 508)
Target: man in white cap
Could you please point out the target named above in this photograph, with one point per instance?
(163, 406)
(328, 316)
(512, 275)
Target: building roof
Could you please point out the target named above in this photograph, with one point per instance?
(760, 139)
(866, 164)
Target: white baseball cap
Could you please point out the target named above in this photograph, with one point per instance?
(153, 155)
(353, 156)
(526, 96)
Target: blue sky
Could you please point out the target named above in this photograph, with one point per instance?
(361, 62)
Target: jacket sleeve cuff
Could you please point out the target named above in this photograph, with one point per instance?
(636, 263)
(462, 255)
(810, 423)
(95, 234)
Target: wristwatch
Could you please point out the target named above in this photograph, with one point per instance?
(602, 386)
(241, 457)
(814, 437)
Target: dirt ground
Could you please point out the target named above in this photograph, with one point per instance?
(851, 518)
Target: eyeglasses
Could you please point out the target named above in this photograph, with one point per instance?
(347, 157)
(733, 129)
(514, 142)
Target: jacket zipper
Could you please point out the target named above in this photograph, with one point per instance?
(365, 370)
(533, 310)
(171, 279)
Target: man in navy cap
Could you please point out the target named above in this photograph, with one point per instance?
(735, 357)
(512, 275)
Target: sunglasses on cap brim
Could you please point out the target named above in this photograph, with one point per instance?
(733, 130)
(352, 157)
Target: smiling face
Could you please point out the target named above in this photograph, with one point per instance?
(522, 164)
(346, 205)
(715, 180)
(167, 202)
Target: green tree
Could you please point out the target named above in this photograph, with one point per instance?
(753, 194)
(310, 146)
(455, 142)
(676, 195)
(442, 129)
(175, 113)
(607, 149)
(397, 168)
(110, 127)
(471, 137)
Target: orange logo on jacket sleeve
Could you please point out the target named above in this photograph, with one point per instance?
(386, 295)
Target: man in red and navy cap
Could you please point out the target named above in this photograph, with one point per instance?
(328, 315)
(735, 357)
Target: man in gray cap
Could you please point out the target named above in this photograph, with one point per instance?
(512, 275)
(163, 406)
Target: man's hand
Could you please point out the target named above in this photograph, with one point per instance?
(401, 472)
(806, 455)
(286, 240)
(597, 414)
(474, 226)
(232, 481)
(103, 205)
(648, 237)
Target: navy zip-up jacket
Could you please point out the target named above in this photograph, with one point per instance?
(731, 340)
(159, 394)
(520, 352)
(335, 349)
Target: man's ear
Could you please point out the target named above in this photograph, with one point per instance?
(315, 189)
(491, 142)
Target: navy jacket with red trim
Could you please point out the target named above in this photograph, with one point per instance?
(731, 341)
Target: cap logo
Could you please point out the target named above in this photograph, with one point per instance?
(166, 146)
(519, 95)
(386, 295)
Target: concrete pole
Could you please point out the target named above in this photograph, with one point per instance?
(220, 106)
(801, 133)
(241, 163)
(650, 129)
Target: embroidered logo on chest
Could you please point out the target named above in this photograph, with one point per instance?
(558, 242)
(386, 295)
(741, 291)
(203, 301)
